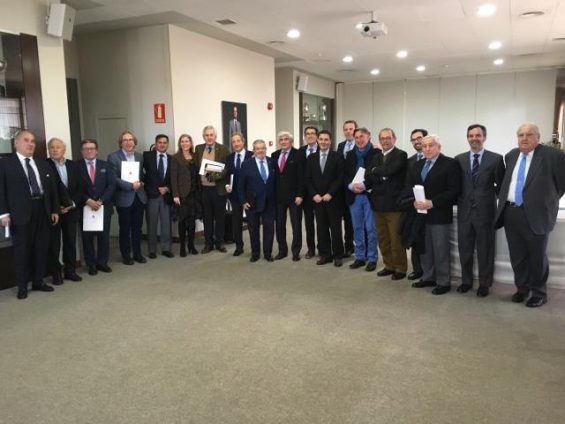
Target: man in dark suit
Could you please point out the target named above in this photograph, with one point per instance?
(343, 149)
(98, 184)
(157, 167)
(69, 191)
(256, 187)
(482, 172)
(324, 185)
(29, 204)
(235, 125)
(386, 177)
(529, 201)
(357, 197)
(440, 176)
(416, 137)
(233, 168)
(130, 198)
(311, 147)
(213, 191)
(290, 193)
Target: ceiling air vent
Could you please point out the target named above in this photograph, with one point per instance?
(226, 22)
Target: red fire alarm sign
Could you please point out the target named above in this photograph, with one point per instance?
(159, 113)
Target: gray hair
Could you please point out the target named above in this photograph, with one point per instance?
(53, 140)
(209, 127)
(284, 133)
(534, 127)
(433, 137)
(259, 141)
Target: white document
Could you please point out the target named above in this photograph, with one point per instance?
(93, 220)
(420, 196)
(208, 165)
(130, 171)
(359, 176)
(7, 231)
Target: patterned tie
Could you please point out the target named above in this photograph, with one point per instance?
(310, 151)
(238, 161)
(92, 172)
(347, 148)
(520, 181)
(425, 170)
(283, 162)
(209, 149)
(35, 190)
(475, 169)
(323, 162)
(263, 171)
(420, 156)
(161, 168)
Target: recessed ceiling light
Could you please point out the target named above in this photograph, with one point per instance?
(498, 61)
(495, 45)
(293, 33)
(359, 25)
(531, 14)
(401, 54)
(420, 68)
(487, 9)
(347, 59)
(375, 71)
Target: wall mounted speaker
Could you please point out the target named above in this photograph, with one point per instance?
(302, 84)
(61, 21)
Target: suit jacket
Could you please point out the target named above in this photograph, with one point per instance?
(479, 197)
(231, 170)
(544, 186)
(220, 155)
(15, 195)
(350, 169)
(386, 177)
(71, 193)
(290, 182)
(104, 184)
(124, 194)
(341, 147)
(441, 186)
(152, 178)
(330, 181)
(260, 195)
(184, 176)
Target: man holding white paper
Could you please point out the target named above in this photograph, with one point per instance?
(357, 161)
(439, 176)
(130, 196)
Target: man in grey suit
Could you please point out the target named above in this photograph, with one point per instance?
(130, 199)
(529, 202)
(235, 125)
(482, 172)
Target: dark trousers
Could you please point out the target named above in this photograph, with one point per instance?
(308, 208)
(328, 228)
(99, 255)
(528, 253)
(237, 224)
(131, 220)
(476, 232)
(415, 259)
(347, 227)
(295, 213)
(214, 213)
(30, 245)
(254, 222)
(67, 229)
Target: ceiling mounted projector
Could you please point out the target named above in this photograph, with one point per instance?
(373, 29)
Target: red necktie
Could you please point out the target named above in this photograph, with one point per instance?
(283, 162)
(92, 172)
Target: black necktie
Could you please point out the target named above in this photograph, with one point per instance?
(475, 169)
(161, 168)
(209, 149)
(237, 161)
(35, 190)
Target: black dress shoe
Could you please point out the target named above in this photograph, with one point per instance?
(269, 258)
(168, 254)
(221, 249)
(421, 284)
(237, 252)
(295, 258)
(441, 290)
(254, 258)
(310, 254)
(398, 276)
(73, 276)
(103, 268)
(154, 256)
(280, 256)
(140, 259)
(92, 270)
(384, 272)
(358, 263)
(536, 301)
(482, 291)
(371, 266)
(192, 251)
(43, 287)
(127, 261)
(464, 288)
(207, 249)
(22, 294)
(338, 262)
(57, 280)
(518, 297)
(323, 261)
(415, 275)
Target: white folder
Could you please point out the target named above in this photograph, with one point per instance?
(130, 171)
(93, 220)
(420, 196)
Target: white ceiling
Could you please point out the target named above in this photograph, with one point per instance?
(444, 35)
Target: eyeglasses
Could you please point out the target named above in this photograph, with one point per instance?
(87, 149)
(416, 139)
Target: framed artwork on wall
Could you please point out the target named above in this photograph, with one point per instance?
(234, 119)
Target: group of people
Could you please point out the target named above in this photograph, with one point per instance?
(353, 199)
